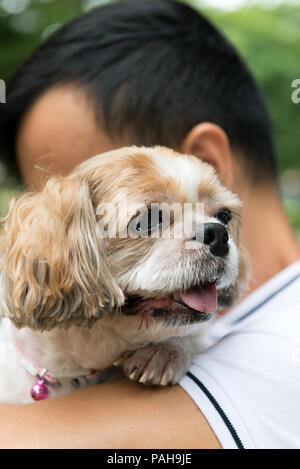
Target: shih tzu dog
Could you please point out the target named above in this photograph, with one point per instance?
(100, 268)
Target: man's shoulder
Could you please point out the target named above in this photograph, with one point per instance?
(276, 309)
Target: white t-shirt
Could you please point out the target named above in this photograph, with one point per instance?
(248, 383)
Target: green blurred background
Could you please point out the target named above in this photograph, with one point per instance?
(267, 34)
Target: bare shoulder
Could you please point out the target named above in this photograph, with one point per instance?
(119, 414)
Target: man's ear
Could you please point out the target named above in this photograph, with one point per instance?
(210, 143)
(54, 270)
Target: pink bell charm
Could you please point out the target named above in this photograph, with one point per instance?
(39, 391)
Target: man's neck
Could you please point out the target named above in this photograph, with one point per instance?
(268, 236)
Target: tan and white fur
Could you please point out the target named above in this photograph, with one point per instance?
(65, 289)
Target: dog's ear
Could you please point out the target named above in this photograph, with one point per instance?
(54, 270)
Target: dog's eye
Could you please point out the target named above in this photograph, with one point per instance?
(224, 216)
(145, 223)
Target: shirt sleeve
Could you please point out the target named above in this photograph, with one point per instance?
(248, 384)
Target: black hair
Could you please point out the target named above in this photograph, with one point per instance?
(154, 69)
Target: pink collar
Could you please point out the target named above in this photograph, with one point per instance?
(44, 377)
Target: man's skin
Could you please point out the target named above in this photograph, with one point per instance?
(61, 127)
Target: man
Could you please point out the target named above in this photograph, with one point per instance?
(149, 73)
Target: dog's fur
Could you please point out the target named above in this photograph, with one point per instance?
(66, 288)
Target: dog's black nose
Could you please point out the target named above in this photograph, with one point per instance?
(216, 236)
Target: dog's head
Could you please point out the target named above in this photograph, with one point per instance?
(136, 230)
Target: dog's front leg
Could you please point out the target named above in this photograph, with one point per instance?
(160, 363)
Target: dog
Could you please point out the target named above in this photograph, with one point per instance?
(89, 287)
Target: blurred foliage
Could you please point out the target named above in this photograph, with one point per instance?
(23, 31)
(268, 38)
(292, 207)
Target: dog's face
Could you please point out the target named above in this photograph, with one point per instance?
(130, 232)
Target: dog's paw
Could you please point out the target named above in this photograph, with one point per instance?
(155, 364)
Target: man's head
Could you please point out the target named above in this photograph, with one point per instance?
(142, 73)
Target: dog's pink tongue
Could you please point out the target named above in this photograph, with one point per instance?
(202, 298)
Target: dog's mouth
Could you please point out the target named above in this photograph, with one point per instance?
(180, 308)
